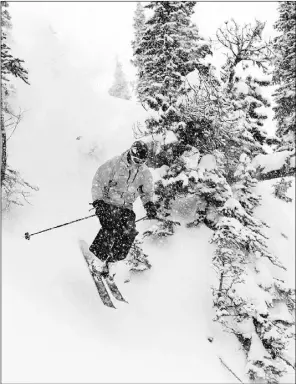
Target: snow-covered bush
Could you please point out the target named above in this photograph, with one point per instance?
(137, 260)
(210, 187)
(15, 190)
(280, 189)
(244, 184)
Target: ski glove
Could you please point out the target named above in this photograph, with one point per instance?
(98, 205)
(151, 210)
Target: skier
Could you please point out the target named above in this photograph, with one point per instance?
(116, 185)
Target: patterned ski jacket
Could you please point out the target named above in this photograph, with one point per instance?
(119, 183)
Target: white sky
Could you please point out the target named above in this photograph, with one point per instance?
(93, 33)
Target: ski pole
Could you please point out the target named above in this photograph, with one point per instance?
(28, 235)
(142, 218)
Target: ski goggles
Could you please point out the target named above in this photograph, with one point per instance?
(137, 160)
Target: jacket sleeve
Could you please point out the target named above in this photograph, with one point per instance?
(147, 189)
(101, 180)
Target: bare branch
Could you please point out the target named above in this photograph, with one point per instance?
(15, 123)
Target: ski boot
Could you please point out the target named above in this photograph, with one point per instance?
(100, 267)
(111, 267)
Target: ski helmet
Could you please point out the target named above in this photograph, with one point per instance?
(139, 152)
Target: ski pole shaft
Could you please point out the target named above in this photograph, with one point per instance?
(28, 235)
(142, 218)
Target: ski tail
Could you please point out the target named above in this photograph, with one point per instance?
(114, 289)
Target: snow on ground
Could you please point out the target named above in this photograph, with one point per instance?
(55, 329)
(272, 161)
(280, 217)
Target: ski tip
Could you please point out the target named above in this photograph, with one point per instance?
(82, 243)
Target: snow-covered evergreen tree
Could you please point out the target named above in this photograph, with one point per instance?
(217, 118)
(139, 27)
(284, 73)
(170, 48)
(248, 295)
(280, 189)
(210, 188)
(13, 185)
(120, 87)
(244, 183)
(245, 74)
(201, 155)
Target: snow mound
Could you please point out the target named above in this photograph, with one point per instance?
(272, 161)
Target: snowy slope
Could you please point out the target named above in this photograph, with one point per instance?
(55, 328)
(280, 217)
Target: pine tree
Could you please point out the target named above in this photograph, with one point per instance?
(211, 189)
(247, 51)
(139, 28)
(10, 66)
(170, 49)
(284, 73)
(244, 184)
(120, 86)
(247, 292)
(14, 187)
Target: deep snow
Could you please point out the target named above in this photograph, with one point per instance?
(55, 329)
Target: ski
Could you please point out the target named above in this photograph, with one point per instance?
(101, 288)
(97, 278)
(114, 289)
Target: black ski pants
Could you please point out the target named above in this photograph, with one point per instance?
(117, 234)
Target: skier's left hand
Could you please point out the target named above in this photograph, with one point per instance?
(151, 210)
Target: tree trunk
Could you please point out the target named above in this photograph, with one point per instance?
(4, 151)
(232, 72)
(221, 284)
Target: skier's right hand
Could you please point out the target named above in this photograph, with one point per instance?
(98, 205)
